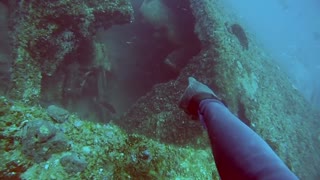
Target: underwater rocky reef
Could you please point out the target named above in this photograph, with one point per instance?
(58, 59)
(46, 34)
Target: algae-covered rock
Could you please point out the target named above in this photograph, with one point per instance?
(58, 114)
(101, 151)
(252, 86)
(73, 163)
(44, 34)
(40, 139)
(163, 142)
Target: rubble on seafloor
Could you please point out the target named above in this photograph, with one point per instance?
(36, 146)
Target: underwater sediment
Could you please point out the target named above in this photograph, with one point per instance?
(154, 139)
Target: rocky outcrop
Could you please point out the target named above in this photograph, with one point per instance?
(252, 86)
(73, 163)
(44, 34)
(40, 139)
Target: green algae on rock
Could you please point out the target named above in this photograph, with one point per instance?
(109, 152)
(250, 83)
(44, 34)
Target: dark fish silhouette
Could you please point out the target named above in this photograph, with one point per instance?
(108, 106)
(238, 31)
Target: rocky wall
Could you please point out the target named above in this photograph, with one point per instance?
(254, 88)
(44, 34)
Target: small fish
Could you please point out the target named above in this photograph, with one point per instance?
(184, 9)
(129, 42)
(108, 106)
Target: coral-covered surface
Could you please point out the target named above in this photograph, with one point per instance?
(154, 139)
(94, 151)
(254, 88)
(45, 33)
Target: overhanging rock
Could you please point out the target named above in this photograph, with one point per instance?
(44, 34)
